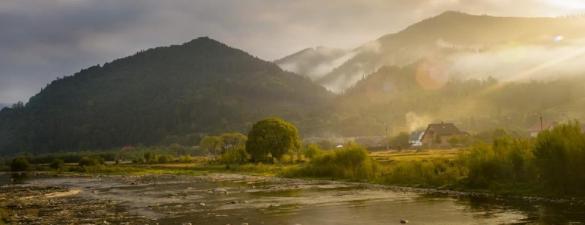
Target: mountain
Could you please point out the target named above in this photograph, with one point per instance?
(314, 62)
(395, 99)
(465, 45)
(2, 105)
(199, 87)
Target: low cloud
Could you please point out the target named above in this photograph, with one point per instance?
(522, 62)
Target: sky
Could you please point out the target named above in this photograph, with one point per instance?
(41, 40)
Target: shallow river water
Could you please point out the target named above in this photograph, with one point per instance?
(235, 199)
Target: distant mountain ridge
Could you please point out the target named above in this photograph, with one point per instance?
(438, 69)
(314, 62)
(200, 87)
(467, 45)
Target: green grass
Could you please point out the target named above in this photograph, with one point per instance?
(448, 169)
(192, 169)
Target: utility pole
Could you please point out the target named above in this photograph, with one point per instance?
(541, 124)
(387, 137)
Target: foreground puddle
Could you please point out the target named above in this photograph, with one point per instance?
(235, 199)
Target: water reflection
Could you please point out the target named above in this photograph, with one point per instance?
(210, 201)
(535, 212)
(13, 178)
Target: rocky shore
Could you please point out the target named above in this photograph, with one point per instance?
(223, 199)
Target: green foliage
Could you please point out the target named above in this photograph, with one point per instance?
(400, 141)
(57, 164)
(217, 145)
(211, 144)
(150, 157)
(272, 138)
(164, 159)
(90, 161)
(427, 173)
(235, 156)
(351, 162)
(161, 95)
(312, 151)
(560, 157)
(232, 141)
(555, 160)
(20, 164)
(507, 160)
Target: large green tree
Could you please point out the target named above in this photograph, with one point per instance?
(271, 138)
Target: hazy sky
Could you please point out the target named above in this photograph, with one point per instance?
(41, 40)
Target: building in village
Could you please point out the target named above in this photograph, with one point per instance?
(442, 135)
(535, 129)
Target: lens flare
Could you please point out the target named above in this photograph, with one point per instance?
(431, 75)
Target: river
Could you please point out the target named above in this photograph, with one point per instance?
(220, 199)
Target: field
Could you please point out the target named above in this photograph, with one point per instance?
(387, 157)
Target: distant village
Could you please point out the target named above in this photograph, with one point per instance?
(440, 135)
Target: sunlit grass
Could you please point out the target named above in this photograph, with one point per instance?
(386, 157)
(192, 169)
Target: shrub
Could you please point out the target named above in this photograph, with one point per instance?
(507, 160)
(164, 159)
(235, 156)
(272, 138)
(437, 172)
(57, 164)
(351, 162)
(400, 141)
(560, 157)
(312, 150)
(20, 164)
(150, 157)
(90, 161)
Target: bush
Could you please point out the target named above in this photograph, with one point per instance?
(90, 161)
(271, 139)
(150, 157)
(311, 151)
(560, 157)
(235, 156)
(507, 160)
(20, 164)
(351, 162)
(57, 164)
(400, 141)
(164, 159)
(437, 172)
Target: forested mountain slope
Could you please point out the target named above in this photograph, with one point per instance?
(200, 87)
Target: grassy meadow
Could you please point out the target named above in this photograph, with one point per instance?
(550, 165)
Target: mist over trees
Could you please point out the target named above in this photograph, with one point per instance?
(394, 97)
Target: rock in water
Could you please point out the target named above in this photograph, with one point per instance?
(403, 221)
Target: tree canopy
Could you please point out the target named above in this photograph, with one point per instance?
(271, 138)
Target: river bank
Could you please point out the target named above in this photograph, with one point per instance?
(220, 198)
